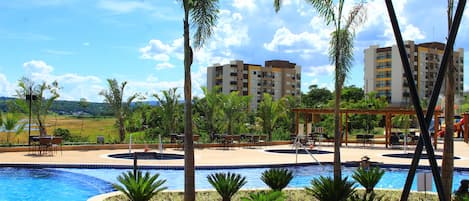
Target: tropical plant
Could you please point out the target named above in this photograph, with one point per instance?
(210, 111)
(170, 109)
(232, 105)
(11, 124)
(328, 189)
(277, 178)
(265, 196)
(340, 54)
(40, 105)
(114, 96)
(269, 112)
(226, 184)
(203, 17)
(138, 187)
(368, 178)
(63, 133)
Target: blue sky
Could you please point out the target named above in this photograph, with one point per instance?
(81, 43)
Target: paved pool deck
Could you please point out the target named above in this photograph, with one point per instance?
(234, 156)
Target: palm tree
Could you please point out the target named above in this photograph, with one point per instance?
(114, 97)
(40, 105)
(11, 123)
(340, 54)
(269, 111)
(170, 112)
(203, 16)
(232, 105)
(211, 109)
(447, 165)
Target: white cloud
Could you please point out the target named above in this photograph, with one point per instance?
(286, 41)
(6, 88)
(86, 44)
(123, 6)
(37, 67)
(165, 65)
(318, 71)
(58, 52)
(159, 51)
(244, 4)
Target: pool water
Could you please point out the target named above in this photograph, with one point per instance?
(48, 184)
(394, 178)
(80, 184)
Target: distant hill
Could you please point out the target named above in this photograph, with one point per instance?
(64, 107)
(69, 107)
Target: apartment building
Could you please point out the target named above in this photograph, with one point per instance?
(384, 72)
(277, 77)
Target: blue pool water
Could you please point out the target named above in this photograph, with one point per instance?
(80, 184)
(48, 184)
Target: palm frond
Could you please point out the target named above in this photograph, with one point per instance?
(204, 15)
(356, 17)
(325, 9)
(277, 5)
(342, 44)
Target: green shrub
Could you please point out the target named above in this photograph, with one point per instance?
(277, 179)
(64, 133)
(368, 178)
(139, 187)
(226, 184)
(328, 189)
(265, 196)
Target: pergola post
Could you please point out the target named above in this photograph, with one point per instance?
(296, 122)
(346, 129)
(466, 127)
(387, 130)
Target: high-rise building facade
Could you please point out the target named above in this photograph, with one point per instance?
(384, 72)
(278, 78)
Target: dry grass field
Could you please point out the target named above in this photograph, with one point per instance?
(92, 127)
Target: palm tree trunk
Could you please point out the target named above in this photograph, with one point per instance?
(337, 137)
(447, 165)
(189, 169)
(121, 129)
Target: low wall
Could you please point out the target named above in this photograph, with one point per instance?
(142, 146)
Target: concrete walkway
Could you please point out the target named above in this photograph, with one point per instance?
(232, 156)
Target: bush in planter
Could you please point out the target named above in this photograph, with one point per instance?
(226, 184)
(277, 178)
(328, 189)
(139, 187)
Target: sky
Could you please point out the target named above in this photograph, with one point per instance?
(82, 43)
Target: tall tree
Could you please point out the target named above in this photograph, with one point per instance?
(233, 105)
(40, 104)
(114, 96)
(447, 165)
(170, 110)
(316, 96)
(340, 54)
(210, 109)
(269, 111)
(203, 16)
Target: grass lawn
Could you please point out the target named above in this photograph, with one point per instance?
(92, 127)
(292, 195)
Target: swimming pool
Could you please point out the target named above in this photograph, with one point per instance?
(394, 178)
(30, 184)
(80, 184)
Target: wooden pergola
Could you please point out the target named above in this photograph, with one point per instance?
(387, 112)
